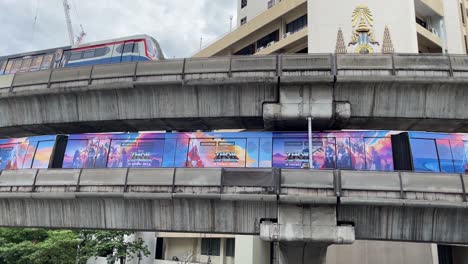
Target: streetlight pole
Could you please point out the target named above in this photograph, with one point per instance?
(309, 121)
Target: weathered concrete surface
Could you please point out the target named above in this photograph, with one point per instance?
(404, 103)
(308, 206)
(387, 252)
(400, 91)
(137, 107)
(178, 215)
(302, 253)
(442, 225)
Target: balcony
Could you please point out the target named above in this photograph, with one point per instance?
(428, 41)
(432, 7)
(290, 41)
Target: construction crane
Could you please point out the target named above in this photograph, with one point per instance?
(71, 35)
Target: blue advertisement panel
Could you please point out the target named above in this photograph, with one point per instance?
(143, 150)
(439, 152)
(334, 150)
(26, 153)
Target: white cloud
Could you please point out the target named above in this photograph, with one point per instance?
(176, 24)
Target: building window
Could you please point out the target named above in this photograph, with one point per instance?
(249, 50)
(297, 24)
(268, 39)
(243, 3)
(270, 4)
(466, 45)
(230, 247)
(462, 13)
(243, 20)
(210, 246)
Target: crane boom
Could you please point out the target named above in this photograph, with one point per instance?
(66, 7)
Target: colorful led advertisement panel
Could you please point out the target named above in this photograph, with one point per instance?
(439, 152)
(340, 150)
(26, 153)
(114, 151)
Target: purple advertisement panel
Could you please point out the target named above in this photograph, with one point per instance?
(26, 153)
(136, 153)
(228, 150)
(340, 150)
(114, 151)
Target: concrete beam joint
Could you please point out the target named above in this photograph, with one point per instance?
(304, 233)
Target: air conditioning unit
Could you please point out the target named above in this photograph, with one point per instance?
(435, 31)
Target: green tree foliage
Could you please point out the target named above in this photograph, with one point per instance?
(38, 246)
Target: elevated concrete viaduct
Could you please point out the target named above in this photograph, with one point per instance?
(417, 92)
(304, 210)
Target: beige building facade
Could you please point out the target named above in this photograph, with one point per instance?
(338, 26)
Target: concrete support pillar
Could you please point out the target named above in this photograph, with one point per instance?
(304, 233)
(302, 253)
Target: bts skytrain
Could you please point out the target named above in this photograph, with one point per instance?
(128, 49)
(346, 150)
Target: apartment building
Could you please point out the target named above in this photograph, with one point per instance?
(345, 26)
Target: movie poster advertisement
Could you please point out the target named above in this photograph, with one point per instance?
(349, 150)
(114, 151)
(438, 152)
(26, 153)
(216, 150)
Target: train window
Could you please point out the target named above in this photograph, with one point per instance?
(343, 153)
(86, 153)
(425, 155)
(88, 54)
(6, 156)
(379, 156)
(119, 48)
(128, 47)
(101, 52)
(76, 56)
(8, 67)
(36, 63)
(445, 156)
(459, 155)
(47, 61)
(2, 66)
(150, 47)
(217, 153)
(16, 66)
(143, 153)
(26, 65)
(290, 153)
(43, 153)
(323, 153)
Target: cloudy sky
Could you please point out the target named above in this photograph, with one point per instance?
(176, 24)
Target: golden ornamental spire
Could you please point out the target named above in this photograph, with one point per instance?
(387, 45)
(340, 44)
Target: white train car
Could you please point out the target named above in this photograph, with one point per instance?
(128, 49)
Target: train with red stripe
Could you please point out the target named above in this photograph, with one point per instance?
(345, 150)
(128, 49)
